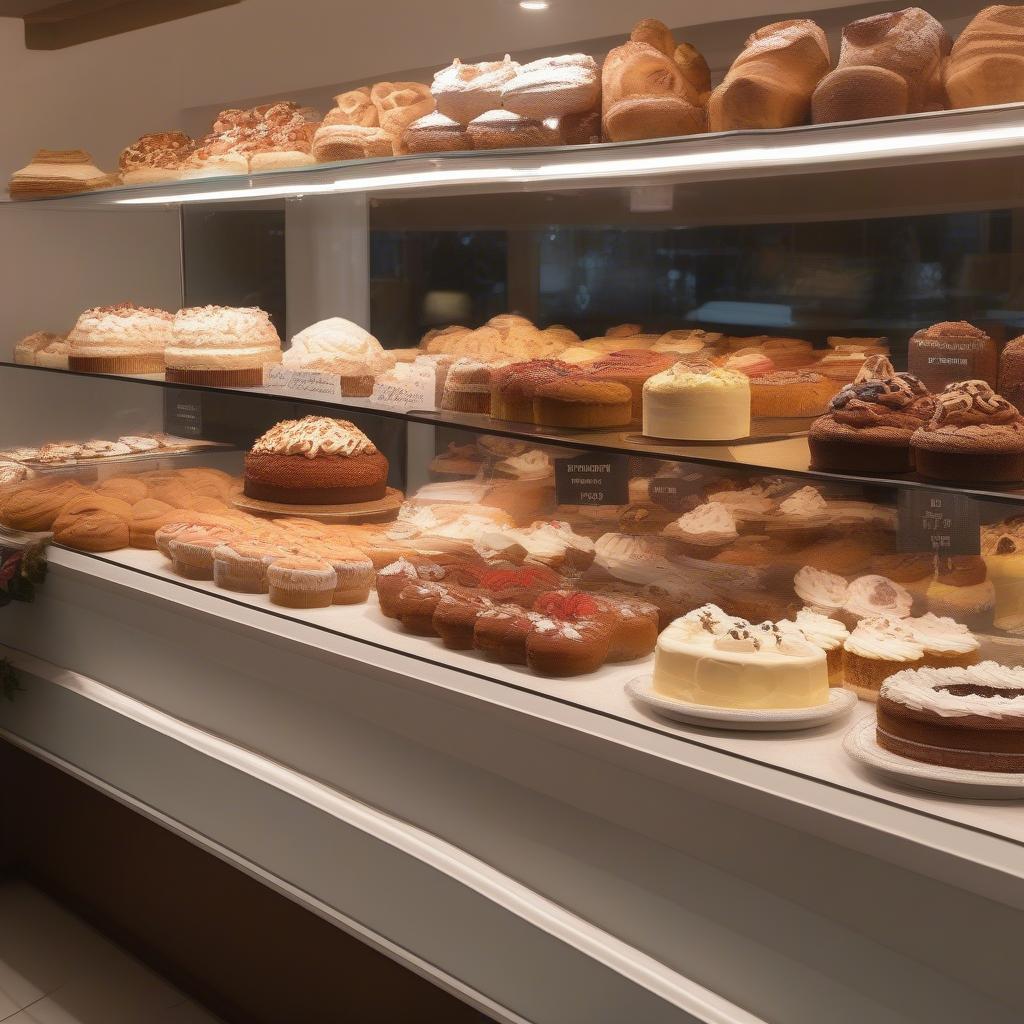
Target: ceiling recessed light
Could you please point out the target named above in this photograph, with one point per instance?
(534, 5)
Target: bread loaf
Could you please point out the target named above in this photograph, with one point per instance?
(889, 64)
(647, 93)
(771, 82)
(987, 61)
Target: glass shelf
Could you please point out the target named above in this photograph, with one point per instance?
(784, 453)
(893, 141)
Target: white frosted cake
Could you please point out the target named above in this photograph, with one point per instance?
(688, 405)
(709, 658)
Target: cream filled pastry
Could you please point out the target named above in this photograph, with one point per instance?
(342, 347)
(685, 405)
(703, 531)
(221, 345)
(872, 596)
(120, 339)
(554, 544)
(740, 666)
(820, 590)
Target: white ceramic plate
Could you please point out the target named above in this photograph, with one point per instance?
(860, 743)
(840, 703)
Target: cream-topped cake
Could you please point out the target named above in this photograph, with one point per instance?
(687, 405)
(120, 339)
(821, 631)
(222, 345)
(709, 658)
(339, 346)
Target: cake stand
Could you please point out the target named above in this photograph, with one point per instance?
(860, 743)
(840, 704)
(383, 510)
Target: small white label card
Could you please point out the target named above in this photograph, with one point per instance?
(304, 383)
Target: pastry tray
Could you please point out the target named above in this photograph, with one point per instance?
(188, 448)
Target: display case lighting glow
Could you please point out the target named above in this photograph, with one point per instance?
(534, 5)
(611, 166)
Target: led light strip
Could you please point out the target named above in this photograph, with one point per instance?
(748, 157)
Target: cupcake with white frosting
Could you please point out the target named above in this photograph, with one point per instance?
(822, 591)
(869, 597)
(877, 649)
(821, 631)
(702, 532)
(946, 642)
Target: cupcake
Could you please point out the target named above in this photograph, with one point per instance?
(353, 569)
(871, 597)
(946, 642)
(822, 591)
(821, 631)
(243, 567)
(338, 346)
(221, 346)
(869, 424)
(120, 339)
(875, 650)
(703, 532)
(973, 435)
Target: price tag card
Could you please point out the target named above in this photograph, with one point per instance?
(594, 478)
(404, 388)
(183, 413)
(305, 383)
(946, 523)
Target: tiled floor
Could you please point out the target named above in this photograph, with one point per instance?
(56, 969)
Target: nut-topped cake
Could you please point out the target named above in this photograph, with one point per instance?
(315, 461)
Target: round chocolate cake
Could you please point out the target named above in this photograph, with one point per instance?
(964, 717)
(315, 461)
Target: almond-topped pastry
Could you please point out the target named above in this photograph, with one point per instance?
(120, 339)
(315, 461)
(974, 434)
(155, 157)
(870, 422)
(57, 172)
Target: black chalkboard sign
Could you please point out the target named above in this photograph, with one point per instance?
(939, 521)
(183, 413)
(592, 478)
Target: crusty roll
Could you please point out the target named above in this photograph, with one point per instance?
(889, 64)
(987, 61)
(435, 133)
(355, 107)
(553, 87)
(654, 33)
(398, 105)
(502, 129)
(350, 142)
(771, 82)
(465, 91)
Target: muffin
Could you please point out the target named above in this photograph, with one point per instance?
(974, 435)
(120, 339)
(221, 346)
(869, 423)
(338, 346)
(301, 582)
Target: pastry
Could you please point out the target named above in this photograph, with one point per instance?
(334, 142)
(514, 386)
(338, 346)
(946, 642)
(315, 461)
(635, 625)
(789, 393)
(986, 64)
(821, 631)
(967, 718)
(876, 649)
(690, 406)
(872, 597)
(271, 136)
(221, 346)
(553, 87)
(467, 387)
(889, 64)
(949, 352)
(242, 567)
(1011, 373)
(35, 505)
(91, 522)
(571, 638)
(973, 435)
(750, 362)
(501, 129)
(353, 570)
(771, 82)
(392, 578)
(155, 157)
(552, 544)
(465, 91)
(822, 591)
(710, 659)
(455, 615)
(500, 633)
(398, 105)
(191, 549)
(57, 172)
(54, 356)
(436, 133)
(702, 532)
(120, 339)
(870, 423)
(842, 365)
(633, 368)
(301, 582)
(148, 515)
(415, 605)
(850, 553)
(647, 93)
(521, 584)
(801, 518)
(124, 488)
(26, 349)
(914, 571)
(582, 403)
